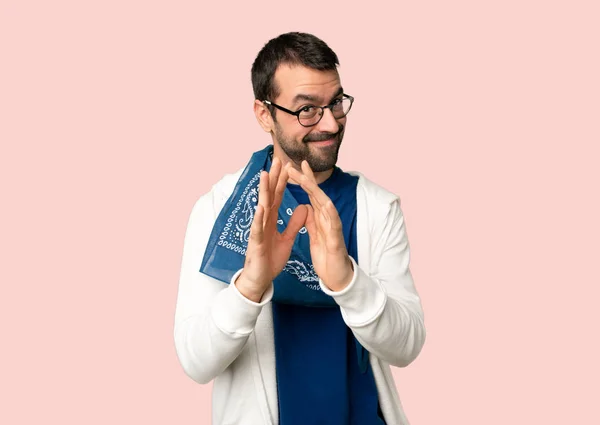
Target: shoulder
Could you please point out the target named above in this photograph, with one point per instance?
(224, 187)
(219, 192)
(374, 192)
(207, 207)
(377, 205)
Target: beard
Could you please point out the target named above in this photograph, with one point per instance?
(319, 158)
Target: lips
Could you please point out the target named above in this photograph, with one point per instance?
(333, 137)
(327, 142)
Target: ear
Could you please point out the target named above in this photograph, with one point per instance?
(263, 116)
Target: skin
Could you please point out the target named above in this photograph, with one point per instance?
(296, 152)
(287, 133)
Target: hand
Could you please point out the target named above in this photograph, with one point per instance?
(327, 247)
(268, 250)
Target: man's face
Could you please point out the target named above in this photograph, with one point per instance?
(299, 87)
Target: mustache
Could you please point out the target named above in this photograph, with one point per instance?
(319, 137)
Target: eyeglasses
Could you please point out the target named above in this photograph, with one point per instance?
(310, 115)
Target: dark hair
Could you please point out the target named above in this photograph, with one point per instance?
(292, 48)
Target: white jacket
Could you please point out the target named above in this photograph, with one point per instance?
(221, 335)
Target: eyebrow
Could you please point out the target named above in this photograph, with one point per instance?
(310, 98)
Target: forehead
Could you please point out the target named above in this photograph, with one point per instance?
(299, 80)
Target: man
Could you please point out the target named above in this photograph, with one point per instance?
(295, 293)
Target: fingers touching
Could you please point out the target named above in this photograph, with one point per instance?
(321, 215)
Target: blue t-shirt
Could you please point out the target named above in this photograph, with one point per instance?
(318, 375)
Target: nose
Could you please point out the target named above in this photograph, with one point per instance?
(328, 123)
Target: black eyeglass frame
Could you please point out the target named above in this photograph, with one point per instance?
(330, 107)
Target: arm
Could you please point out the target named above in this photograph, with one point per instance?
(212, 319)
(384, 310)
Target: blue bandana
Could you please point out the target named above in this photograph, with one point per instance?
(226, 250)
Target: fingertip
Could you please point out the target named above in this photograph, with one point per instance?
(310, 211)
(303, 209)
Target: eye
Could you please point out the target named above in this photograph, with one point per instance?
(307, 109)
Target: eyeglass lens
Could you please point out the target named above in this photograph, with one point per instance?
(310, 115)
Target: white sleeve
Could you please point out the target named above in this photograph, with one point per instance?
(384, 310)
(212, 319)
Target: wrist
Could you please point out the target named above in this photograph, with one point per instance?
(249, 289)
(341, 291)
(348, 275)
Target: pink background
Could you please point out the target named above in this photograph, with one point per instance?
(483, 116)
